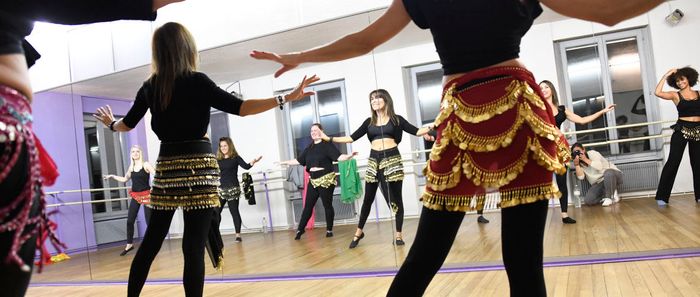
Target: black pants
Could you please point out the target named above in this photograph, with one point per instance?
(312, 195)
(522, 234)
(131, 219)
(13, 281)
(564, 189)
(392, 195)
(675, 155)
(197, 223)
(235, 213)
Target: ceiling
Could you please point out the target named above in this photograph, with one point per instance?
(231, 62)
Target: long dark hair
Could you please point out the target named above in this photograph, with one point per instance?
(174, 54)
(388, 106)
(555, 97)
(231, 149)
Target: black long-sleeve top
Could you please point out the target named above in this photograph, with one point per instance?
(319, 155)
(389, 130)
(229, 170)
(187, 115)
(17, 18)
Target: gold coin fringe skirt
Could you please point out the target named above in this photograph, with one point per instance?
(187, 176)
(386, 163)
(495, 134)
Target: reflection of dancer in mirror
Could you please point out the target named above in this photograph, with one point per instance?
(139, 172)
(22, 213)
(685, 131)
(562, 114)
(487, 92)
(187, 176)
(384, 167)
(230, 190)
(318, 158)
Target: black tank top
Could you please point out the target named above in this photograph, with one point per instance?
(139, 180)
(561, 116)
(688, 107)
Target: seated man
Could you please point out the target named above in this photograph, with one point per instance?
(603, 175)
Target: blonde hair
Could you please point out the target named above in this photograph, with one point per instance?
(231, 149)
(174, 54)
(133, 162)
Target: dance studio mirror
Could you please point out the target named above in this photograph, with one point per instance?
(595, 66)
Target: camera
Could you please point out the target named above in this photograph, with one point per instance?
(575, 154)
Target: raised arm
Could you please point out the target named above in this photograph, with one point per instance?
(149, 168)
(229, 103)
(352, 45)
(121, 179)
(571, 116)
(659, 92)
(601, 11)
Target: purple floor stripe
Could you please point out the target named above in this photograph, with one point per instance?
(387, 272)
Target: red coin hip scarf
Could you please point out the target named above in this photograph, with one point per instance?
(19, 215)
(495, 134)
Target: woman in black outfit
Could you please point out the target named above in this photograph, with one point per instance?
(139, 173)
(318, 159)
(22, 204)
(486, 90)
(384, 167)
(230, 190)
(685, 132)
(562, 114)
(187, 176)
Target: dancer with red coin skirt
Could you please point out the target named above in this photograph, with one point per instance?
(495, 133)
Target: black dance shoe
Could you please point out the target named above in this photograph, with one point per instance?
(482, 220)
(568, 220)
(126, 251)
(299, 233)
(329, 233)
(399, 241)
(354, 243)
(239, 239)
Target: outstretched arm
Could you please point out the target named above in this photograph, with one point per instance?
(601, 11)
(571, 116)
(121, 179)
(345, 157)
(352, 45)
(290, 162)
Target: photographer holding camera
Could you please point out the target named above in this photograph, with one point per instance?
(603, 175)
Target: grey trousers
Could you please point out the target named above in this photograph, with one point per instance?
(605, 189)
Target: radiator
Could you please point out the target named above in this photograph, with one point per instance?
(343, 211)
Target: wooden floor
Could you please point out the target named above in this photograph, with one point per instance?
(634, 225)
(676, 277)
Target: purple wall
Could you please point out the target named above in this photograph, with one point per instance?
(59, 124)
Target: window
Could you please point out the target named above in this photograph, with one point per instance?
(218, 127)
(609, 69)
(328, 107)
(426, 86)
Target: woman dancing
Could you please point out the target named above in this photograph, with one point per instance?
(187, 176)
(686, 131)
(318, 159)
(562, 114)
(494, 130)
(22, 205)
(384, 167)
(139, 173)
(230, 189)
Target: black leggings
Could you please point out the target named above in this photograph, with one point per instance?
(312, 195)
(563, 188)
(13, 281)
(235, 213)
(675, 155)
(131, 219)
(197, 224)
(392, 195)
(522, 234)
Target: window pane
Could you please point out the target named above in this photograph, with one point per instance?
(583, 67)
(332, 114)
(218, 124)
(628, 94)
(302, 116)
